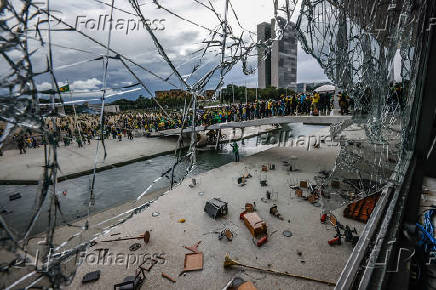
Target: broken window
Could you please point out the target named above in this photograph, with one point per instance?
(355, 43)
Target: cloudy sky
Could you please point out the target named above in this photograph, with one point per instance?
(75, 55)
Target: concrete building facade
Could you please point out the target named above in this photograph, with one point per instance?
(279, 69)
(263, 61)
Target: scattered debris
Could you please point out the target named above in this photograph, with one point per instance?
(182, 221)
(264, 168)
(145, 237)
(168, 277)
(194, 260)
(275, 212)
(323, 218)
(312, 198)
(299, 192)
(335, 241)
(332, 219)
(254, 223)
(116, 234)
(303, 184)
(335, 183)
(361, 210)
(228, 262)
(273, 232)
(250, 207)
(14, 196)
(201, 193)
(247, 285)
(287, 233)
(216, 208)
(135, 247)
(155, 214)
(271, 166)
(194, 248)
(262, 241)
(256, 226)
(247, 176)
(149, 266)
(227, 233)
(349, 237)
(234, 283)
(193, 183)
(132, 282)
(348, 234)
(91, 276)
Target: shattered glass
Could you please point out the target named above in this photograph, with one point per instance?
(353, 41)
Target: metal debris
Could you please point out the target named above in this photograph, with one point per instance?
(135, 247)
(287, 233)
(216, 208)
(91, 276)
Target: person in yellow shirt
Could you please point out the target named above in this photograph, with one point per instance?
(315, 101)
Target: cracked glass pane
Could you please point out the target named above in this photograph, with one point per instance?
(354, 42)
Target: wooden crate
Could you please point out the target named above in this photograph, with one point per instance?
(255, 224)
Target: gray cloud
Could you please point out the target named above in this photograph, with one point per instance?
(179, 40)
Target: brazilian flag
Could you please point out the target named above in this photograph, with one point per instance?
(64, 89)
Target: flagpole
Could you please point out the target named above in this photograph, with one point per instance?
(74, 109)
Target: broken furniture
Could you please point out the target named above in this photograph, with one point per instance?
(132, 282)
(361, 210)
(91, 276)
(312, 198)
(227, 233)
(303, 184)
(166, 276)
(254, 223)
(299, 192)
(275, 212)
(193, 261)
(145, 266)
(250, 207)
(348, 234)
(228, 262)
(145, 237)
(129, 283)
(216, 208)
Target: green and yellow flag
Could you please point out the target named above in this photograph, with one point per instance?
(64, 89)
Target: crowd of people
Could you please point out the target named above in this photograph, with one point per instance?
(82, 128)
